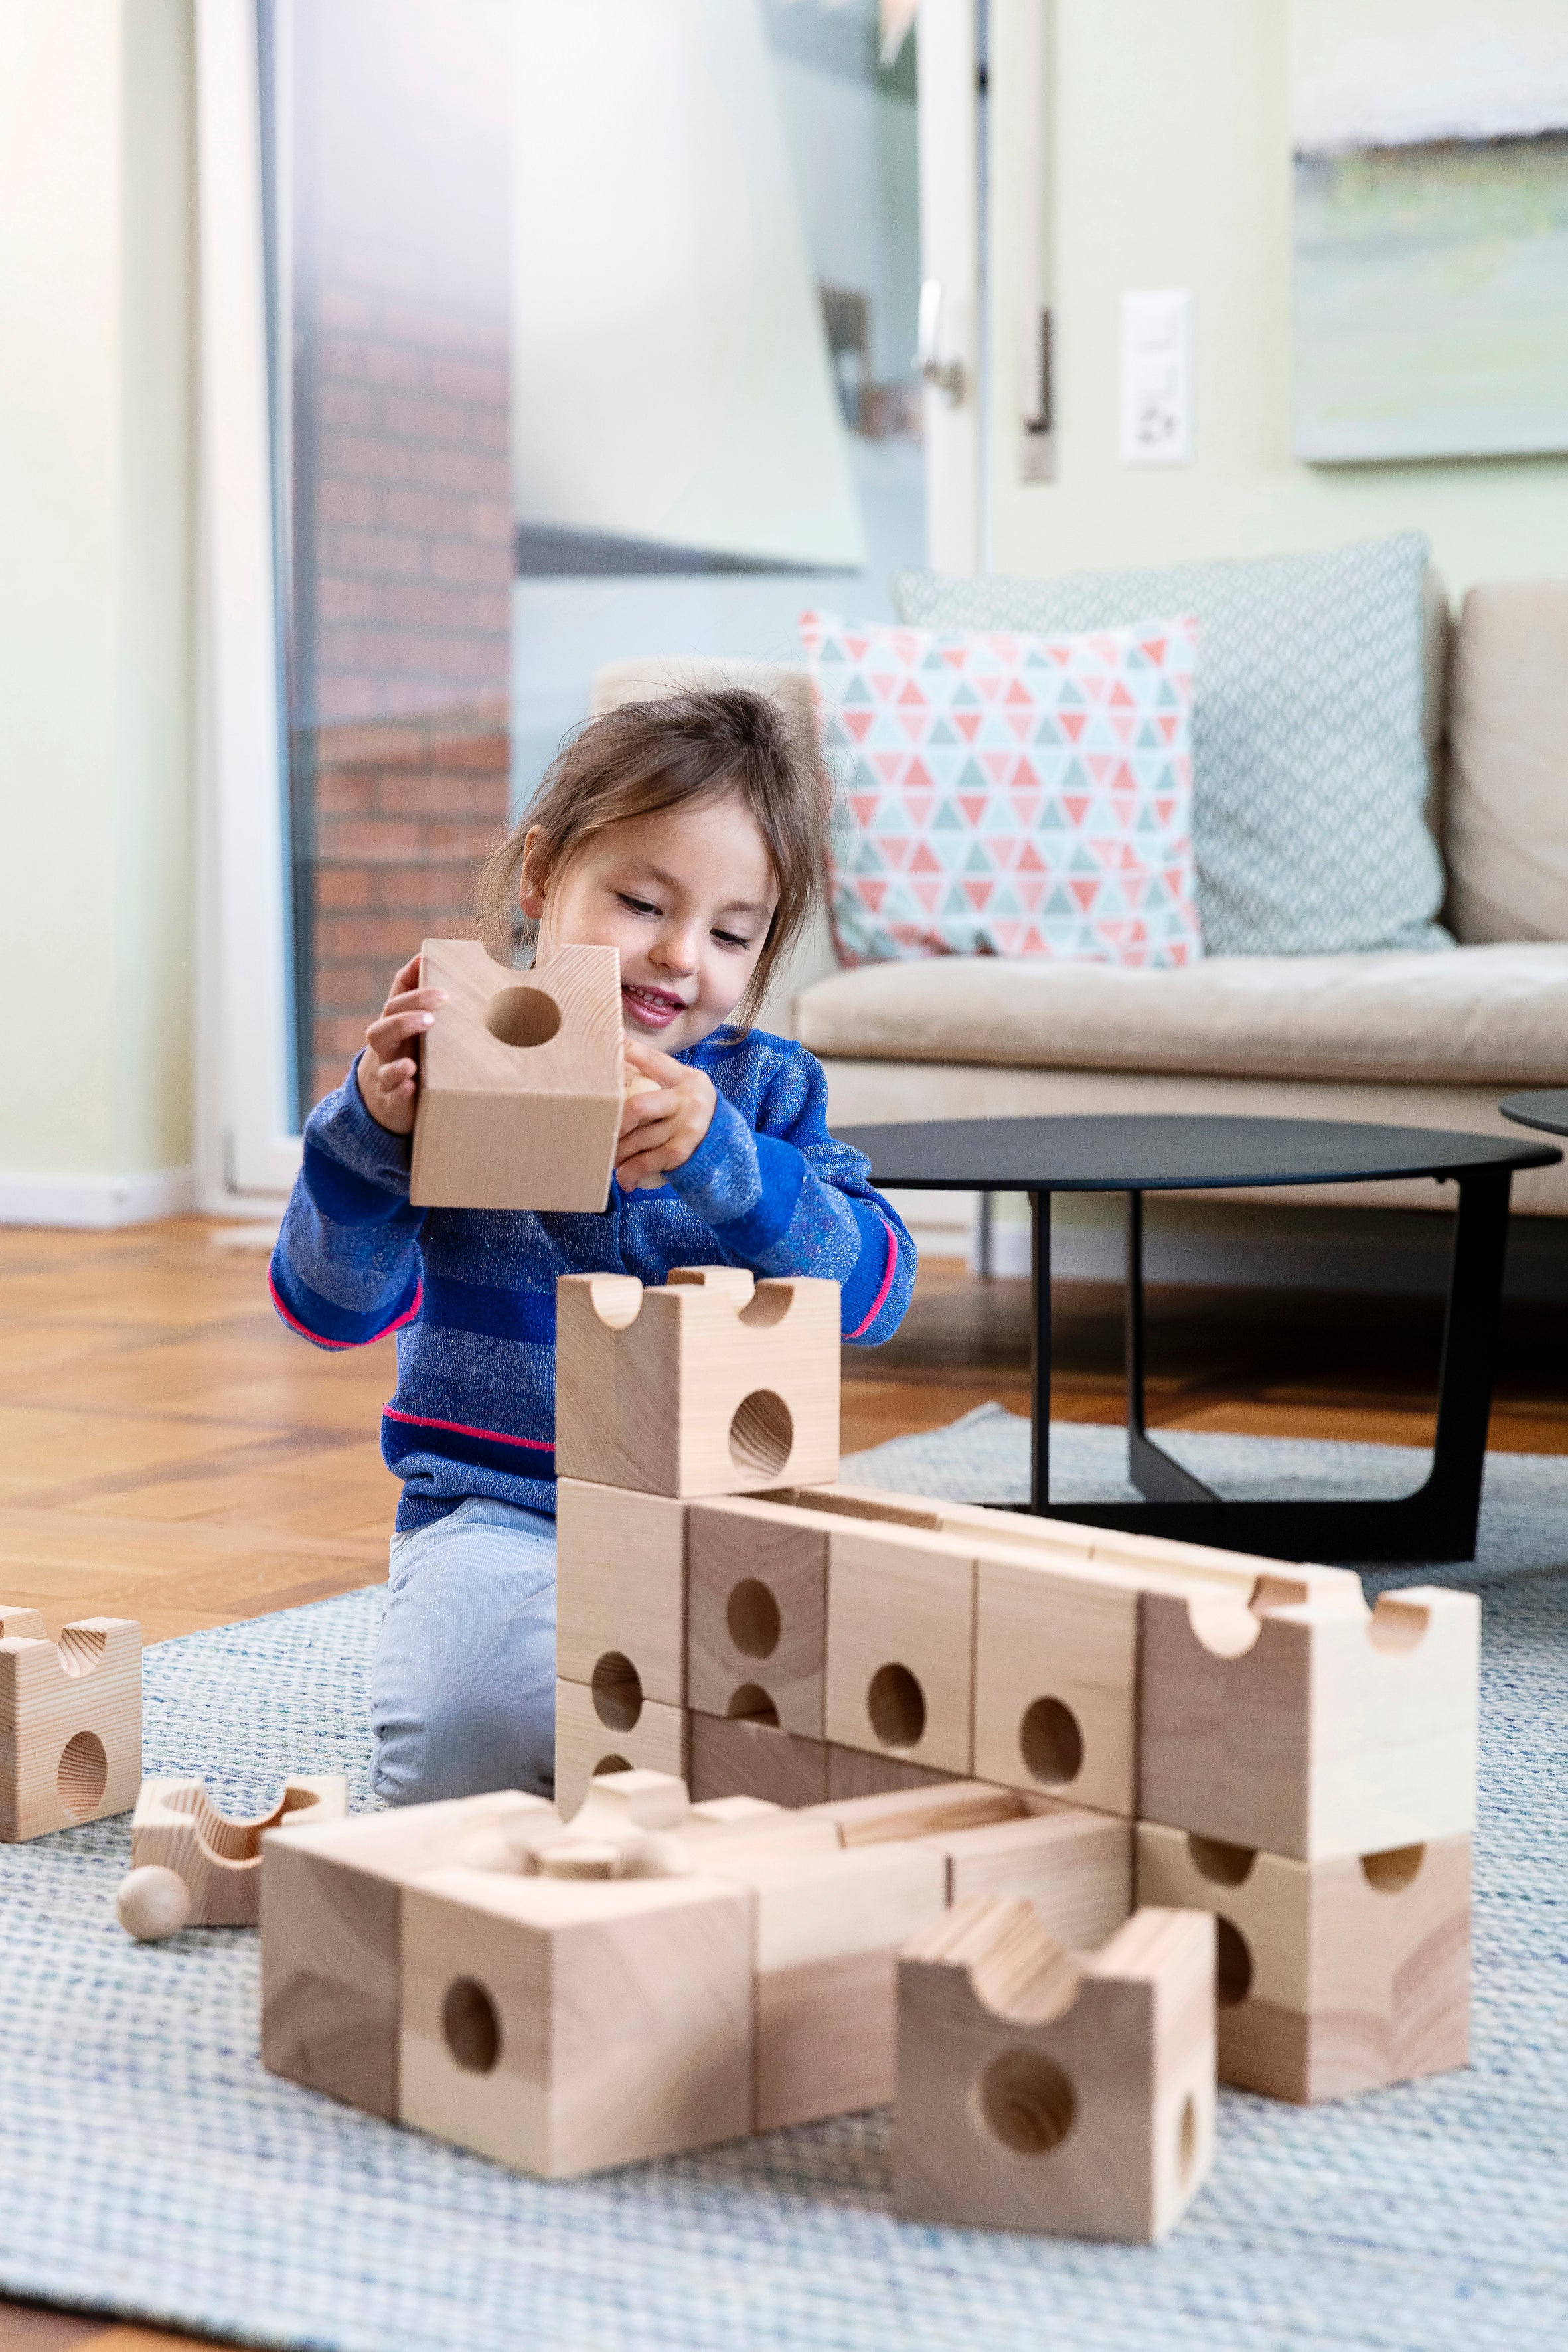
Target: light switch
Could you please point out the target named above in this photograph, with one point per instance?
(1157, 378)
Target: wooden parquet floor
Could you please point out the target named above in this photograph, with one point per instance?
(170, 1452)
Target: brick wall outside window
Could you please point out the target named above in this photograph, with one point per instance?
(402, 557)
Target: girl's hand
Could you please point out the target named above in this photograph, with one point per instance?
(389, 1065)
(662, 1126)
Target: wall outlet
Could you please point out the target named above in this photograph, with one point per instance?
(1157, 378)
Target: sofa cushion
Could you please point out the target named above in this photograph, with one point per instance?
(1508, 771)
(1497, 1015)
(1001, 794)
(1309, 766)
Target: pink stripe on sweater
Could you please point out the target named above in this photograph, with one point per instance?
(464, 1429)
(887, 1284)
(319, 1337)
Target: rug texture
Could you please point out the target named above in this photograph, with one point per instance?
(149, 2166)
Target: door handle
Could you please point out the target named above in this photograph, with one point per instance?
(945, 376)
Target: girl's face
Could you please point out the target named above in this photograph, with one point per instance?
(686, 895)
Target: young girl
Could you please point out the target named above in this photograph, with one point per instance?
(690, 835)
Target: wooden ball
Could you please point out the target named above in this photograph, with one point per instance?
(574, 1858)
(152, 1902)
(656, 1855)
(489, 1849)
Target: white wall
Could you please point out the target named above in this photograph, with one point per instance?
(96, 454)
(1169, 164)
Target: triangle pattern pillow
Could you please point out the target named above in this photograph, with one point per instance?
(1010, 795)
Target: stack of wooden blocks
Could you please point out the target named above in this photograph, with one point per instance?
(984, 1809)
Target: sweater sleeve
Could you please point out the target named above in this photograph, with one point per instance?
(788, 1198)
(347, 1269)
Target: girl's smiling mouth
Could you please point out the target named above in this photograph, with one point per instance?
(651, 1008)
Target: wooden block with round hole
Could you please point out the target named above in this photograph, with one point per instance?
(1334, 1976)
(1073, 1866)
(900, 1638)
(713, 1385)
(1311, 1728)
(332, 1938)
(742, 1756)
(176, 1825)
(1044, 2089)
(71, 1726)
(829, 1929)
(594, 1735)
(620, 1591)
(562, 2025)
(756, 1624)
(520, 1083)
(1055, 1679)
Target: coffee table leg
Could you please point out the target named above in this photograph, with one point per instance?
(1451, 1498)
(1156, 1473)
(1040, 1353)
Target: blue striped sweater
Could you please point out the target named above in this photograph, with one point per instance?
(471, 1293)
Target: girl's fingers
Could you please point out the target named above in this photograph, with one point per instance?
(652, 1063)
(385, 1036)
(642, 1110)
(415, 1000)
(406, 976)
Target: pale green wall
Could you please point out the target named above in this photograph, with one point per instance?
(96, 586)
(1169, 164)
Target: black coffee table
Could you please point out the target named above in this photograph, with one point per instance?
(1546, 1108)
(1042, 1156)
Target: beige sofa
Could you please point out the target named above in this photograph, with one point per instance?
(1403, 1038)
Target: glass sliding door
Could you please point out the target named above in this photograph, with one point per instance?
(591, 336)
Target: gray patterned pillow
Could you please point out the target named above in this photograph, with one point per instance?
(1309, 770)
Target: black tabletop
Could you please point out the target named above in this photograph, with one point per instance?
(1165, 1154)
(1547, 1108)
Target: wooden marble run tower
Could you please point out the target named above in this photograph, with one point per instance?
(1033, 1827)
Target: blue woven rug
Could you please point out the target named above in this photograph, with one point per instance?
(149, 2168)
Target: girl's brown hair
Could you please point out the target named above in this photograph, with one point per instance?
(674, 752)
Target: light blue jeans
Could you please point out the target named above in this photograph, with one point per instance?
(463, 1689)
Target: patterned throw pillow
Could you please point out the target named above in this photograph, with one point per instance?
(1009, 795)
(1309, 768)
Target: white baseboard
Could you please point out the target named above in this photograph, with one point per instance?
(97, 1203)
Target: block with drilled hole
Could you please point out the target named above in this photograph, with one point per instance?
(1311, 1728)
(756, 1637)
(70, 1723)
(607, 1727)
(900, 1640)
(562, 2025)
(1042, 2089)
(620, 1591)
(713, 1385)
(177, 1825)
(521, 1081)
(1334, 1976)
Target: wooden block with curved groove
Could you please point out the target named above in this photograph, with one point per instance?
(712, 1385)
(1311, 1728)
(1334, 1976)
(521, 1081)
(71, 1726)
(1041, 2089)
(756, 1620)
(653, 1739)
(332, 1938)
(176, 1825)
(900, 1640)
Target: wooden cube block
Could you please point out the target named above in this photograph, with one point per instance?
(851, 1772)
(710, 1386)
(20, 1624)
(620, 1594)
(176, 1825)
(1334, 1976)
(1039, 2089)
(71, 1726)
(521, 1081)
(828, 1929)
(331, 1939)
(740, 1756)
(901, 1643)
(589, 1741)
(562, 2025)
(757, 1611)
(921, 1812)
(1056, 1677)
(1074, 1866)
(1311, 1729)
